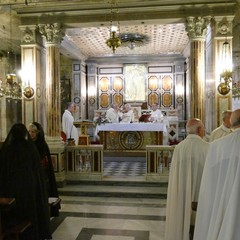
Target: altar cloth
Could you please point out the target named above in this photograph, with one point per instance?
(119, 127)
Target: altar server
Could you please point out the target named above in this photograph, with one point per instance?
(184, 181)
(113, 114)
(67, 123)
(218, 213)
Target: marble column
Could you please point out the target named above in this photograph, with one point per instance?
(197, 29)
(52, 34)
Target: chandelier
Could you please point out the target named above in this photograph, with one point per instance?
(114, 40)
(132, 40)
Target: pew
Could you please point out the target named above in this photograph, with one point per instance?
(13, 232)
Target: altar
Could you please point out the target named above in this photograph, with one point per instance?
(130, 137)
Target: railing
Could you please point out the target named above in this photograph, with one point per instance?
(158, 159)
(84, 162)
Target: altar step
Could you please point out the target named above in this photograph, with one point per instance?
(115, 189)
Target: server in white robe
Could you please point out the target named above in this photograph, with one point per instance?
(67, 123)
(184, 181)
(218, 213)
(224, 129)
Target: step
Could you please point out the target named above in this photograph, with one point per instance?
(115, 189)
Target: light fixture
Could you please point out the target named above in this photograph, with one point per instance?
(11, 87)
(226, 74)
(132, 40)
(114, 41)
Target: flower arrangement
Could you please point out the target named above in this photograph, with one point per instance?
(100, 118)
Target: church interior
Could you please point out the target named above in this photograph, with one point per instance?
(182, 55)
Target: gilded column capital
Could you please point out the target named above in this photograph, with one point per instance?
(29, 35)
(223, 26)
(196, 27)
(52, 32)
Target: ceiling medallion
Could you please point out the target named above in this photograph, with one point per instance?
(133, 40)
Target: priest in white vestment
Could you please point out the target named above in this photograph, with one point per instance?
(224, 129)
(67, 123)
(156, 114)
(113, 114)
(128, 114)
(184, 181)
(218, 213)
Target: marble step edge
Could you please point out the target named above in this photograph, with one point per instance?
(118, 183)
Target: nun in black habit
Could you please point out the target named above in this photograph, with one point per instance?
(21, 177)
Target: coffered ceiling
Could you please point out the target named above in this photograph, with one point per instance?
(86, 23)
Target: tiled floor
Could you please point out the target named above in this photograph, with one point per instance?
(112, 209)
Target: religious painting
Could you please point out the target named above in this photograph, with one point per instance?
(135, 82)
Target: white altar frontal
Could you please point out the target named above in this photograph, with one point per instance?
(130, 137)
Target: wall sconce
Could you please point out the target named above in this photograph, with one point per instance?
(28, 92)
(226, 75)
(179, 91)
(91, 95)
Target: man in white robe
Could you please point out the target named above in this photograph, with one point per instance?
(184, 181)
(113, 114)
(128, 115)
(156, 114)
(67, 123)
(218, 212)
(224, 129)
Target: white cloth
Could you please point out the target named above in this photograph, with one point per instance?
(219, 132)
(127, 117)
(112, 116)
(67, 126)
(218, 213)
(183, 188)
(156, 116)
(119, 127)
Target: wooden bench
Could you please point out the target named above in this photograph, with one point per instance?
(13, 232)
(52, 202)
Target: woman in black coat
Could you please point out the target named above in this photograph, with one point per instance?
(37, 134)
(21, 177)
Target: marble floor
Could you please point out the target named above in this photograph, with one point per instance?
(115, 208)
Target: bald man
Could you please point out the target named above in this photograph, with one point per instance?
(218, 213)
(113, 114)
(225, 127)
(184, 181)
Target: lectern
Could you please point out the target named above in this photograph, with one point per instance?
(83, 138)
